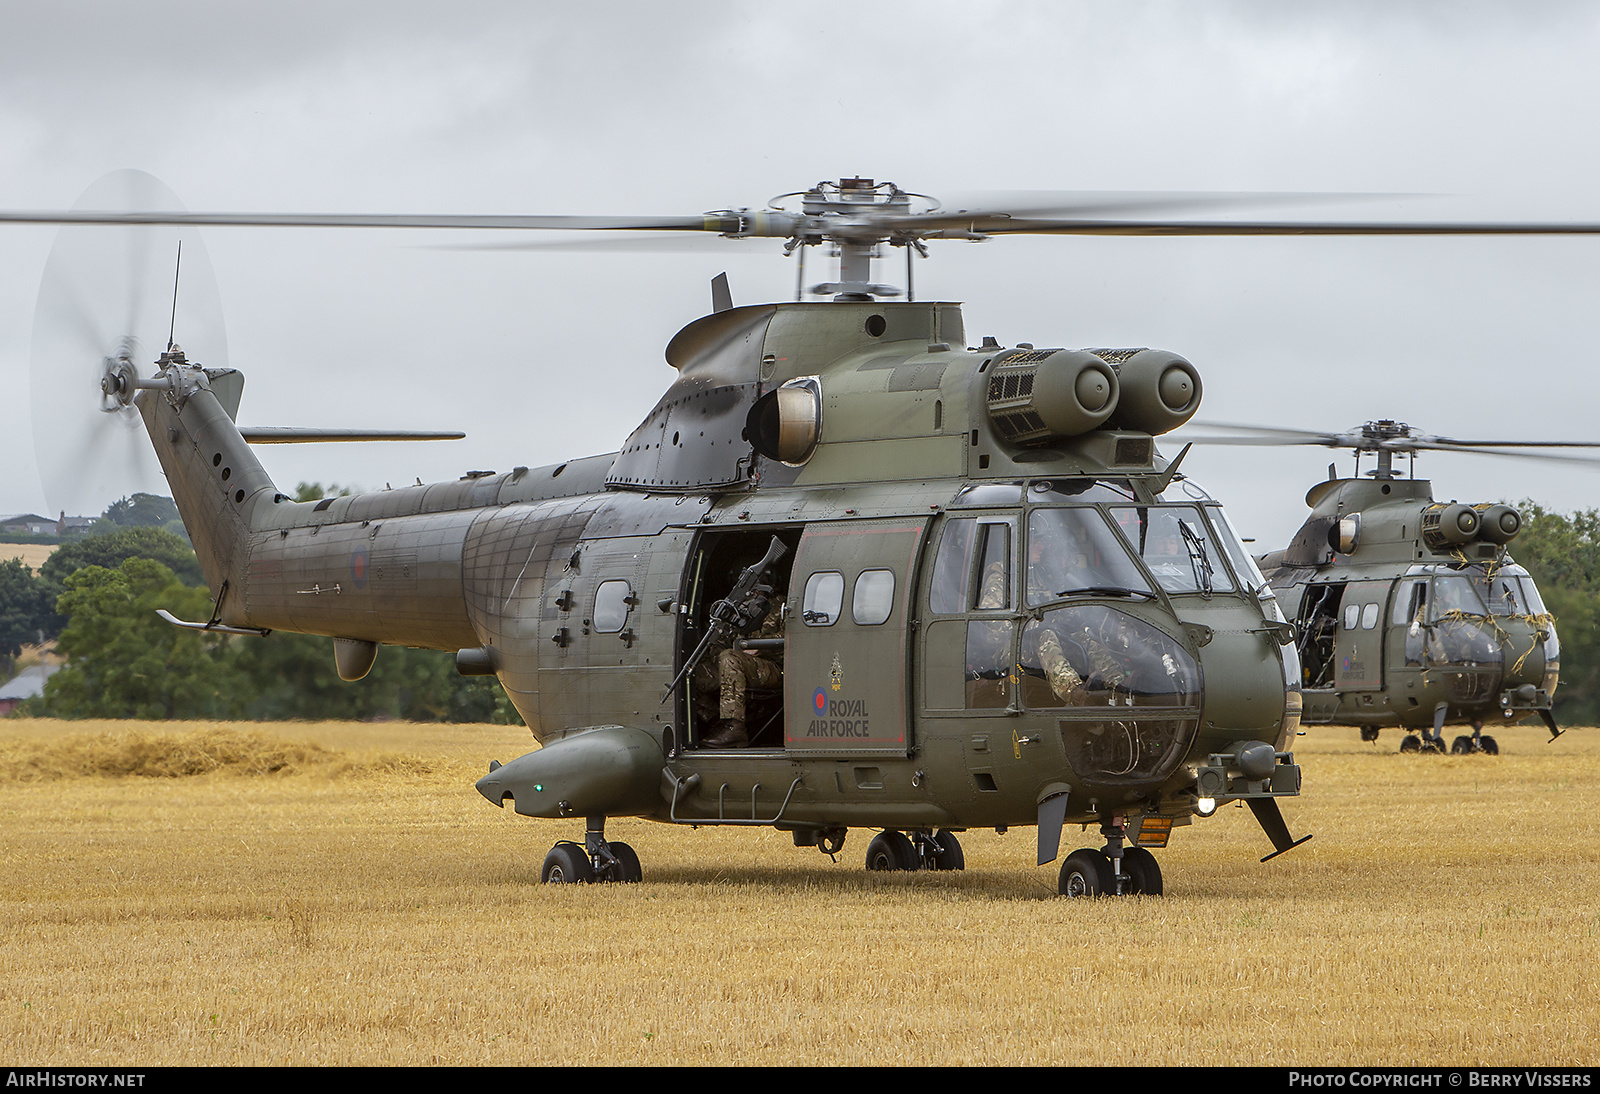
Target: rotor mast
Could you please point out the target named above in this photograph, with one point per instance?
(856, 216)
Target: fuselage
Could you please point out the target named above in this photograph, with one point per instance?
(971, 625)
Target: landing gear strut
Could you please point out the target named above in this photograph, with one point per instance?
(1114, 871)
(598, 859)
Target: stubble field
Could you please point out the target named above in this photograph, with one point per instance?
(363, 904)
(33, 555)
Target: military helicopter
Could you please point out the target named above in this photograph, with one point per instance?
(983, 596)
(1410, 612)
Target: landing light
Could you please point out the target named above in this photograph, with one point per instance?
(1205, 806)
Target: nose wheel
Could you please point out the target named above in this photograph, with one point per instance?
(596, 859)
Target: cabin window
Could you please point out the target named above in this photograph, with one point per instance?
(1352, 616)
(611, 604)
(874, 597)
(1369, 617)
(824, 597)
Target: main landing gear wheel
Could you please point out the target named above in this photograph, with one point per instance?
(1409, 743)
(1491, 747)
(1461, 746)
(1085, 873)
(567, 864)
(626, 868)
(891, 850)
(1142, 871)
(1433, 745)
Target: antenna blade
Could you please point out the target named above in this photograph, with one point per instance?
(721, 295)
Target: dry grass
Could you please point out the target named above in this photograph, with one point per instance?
(31, 554)
(176, 754)
(1448, 912)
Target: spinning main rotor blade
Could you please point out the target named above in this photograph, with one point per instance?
(1397, 439)
(1089, 213)
(381, 220)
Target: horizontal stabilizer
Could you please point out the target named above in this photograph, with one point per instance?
(281, 434)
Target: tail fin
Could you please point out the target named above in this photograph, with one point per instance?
(220, 488)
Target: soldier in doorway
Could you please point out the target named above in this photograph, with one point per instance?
(731, 672)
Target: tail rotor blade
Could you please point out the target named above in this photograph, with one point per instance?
(107, 292)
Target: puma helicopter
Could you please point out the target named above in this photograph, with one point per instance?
(982, 595)
(1411, 612)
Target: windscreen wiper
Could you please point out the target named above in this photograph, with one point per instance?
(1108, 590)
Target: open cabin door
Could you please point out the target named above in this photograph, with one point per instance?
(846, 666)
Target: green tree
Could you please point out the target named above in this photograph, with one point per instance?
(124, 661)
(113, 548)
(141, 511)
(1563, 555)
(293, 676)
(27, 608)
(314, 491)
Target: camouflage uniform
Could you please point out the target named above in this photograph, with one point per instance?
(993, 593)
(1064, 679)
(736, 671)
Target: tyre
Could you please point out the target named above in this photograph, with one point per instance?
(1085, 873)
(950, 858)
(891, 850)
(567, 864)
(627, 867)
(1461, 746)
(1144, 873)
(1409, 743)
(1491, 746)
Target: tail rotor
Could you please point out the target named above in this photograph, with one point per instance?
(101, 304)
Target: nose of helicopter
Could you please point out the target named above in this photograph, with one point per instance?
(492, 786)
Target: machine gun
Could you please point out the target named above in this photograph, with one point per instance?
(741, 610)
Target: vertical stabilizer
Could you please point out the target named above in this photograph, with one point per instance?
(219, 486)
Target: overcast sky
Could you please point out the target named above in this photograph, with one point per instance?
(678, 108)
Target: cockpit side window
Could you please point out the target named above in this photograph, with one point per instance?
(951, 569)
(1410, 601)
